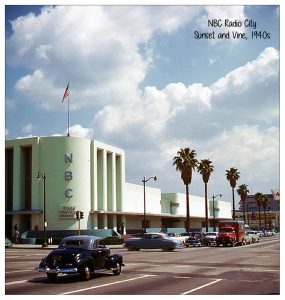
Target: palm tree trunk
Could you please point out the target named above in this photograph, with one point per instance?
(264, 219)
(187, 209)
(234, 214)
(259, 218)
(243, 207)
(206, 207)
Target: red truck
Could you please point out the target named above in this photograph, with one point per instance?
(231, 232)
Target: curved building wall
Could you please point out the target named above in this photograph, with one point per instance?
(66, 164)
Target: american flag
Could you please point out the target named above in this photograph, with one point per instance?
(276, 195)
(66, 92)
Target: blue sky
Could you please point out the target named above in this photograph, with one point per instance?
(139, 80)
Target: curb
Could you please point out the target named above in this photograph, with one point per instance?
(51, 247)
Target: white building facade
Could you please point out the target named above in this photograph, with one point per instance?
(89, 176)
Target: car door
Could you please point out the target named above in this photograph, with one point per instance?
(156, 241)
(99, 254)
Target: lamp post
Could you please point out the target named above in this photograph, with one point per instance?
(144, 212)
(214, 197)
(40, 177)
(269, 218)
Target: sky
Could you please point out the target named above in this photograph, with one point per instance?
(141, 80)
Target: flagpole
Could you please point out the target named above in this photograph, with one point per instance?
(66, 94)
(68, 116)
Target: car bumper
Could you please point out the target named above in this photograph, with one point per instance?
(57, 270)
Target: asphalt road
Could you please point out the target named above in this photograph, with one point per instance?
(246, 270)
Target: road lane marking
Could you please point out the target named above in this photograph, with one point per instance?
(19, 271)
(200, 287)
(16, 282)
(106, 284)
(16, 256)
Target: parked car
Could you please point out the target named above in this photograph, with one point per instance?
(178, 237)
(80, 254)
(197, 239)
(254, 236)
(187, 234)
(247, 238)
(152, 241)
(212, 236)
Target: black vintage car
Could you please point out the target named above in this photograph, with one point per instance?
(197, 239)
(80, 254)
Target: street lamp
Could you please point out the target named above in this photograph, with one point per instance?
(247, 215)
(214, 197)
(144, 181)
(269, 218)
(40, 177)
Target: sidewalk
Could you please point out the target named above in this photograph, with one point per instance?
(51, 247)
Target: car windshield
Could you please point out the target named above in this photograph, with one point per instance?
(72, 244)
(211, 233)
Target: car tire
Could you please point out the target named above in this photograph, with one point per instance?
(85, 273)
(118, 269)
(52, 276)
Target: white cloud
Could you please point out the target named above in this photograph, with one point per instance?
(28, 129)
(79, 131)
(167, 111)
(104, 58)
(266, 65)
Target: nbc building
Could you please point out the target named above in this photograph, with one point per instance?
(49, 179)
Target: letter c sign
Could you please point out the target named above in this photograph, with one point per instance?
(67, 193)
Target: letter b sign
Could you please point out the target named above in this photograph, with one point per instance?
(67, 175)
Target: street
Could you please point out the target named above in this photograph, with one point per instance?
(246, 270)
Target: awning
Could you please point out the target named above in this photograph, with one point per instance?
(23, 212)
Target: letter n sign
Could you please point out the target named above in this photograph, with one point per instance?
(68, 157)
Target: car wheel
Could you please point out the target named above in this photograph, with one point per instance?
(118, 269)
(51, 276)
(86, 273)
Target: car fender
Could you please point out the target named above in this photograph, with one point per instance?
(112, 260)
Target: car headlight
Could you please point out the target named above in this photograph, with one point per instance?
(78, 257)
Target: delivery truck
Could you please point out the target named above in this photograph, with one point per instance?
(231, 233)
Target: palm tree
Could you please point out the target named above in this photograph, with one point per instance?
(258, 198)
(205, 169)
(264, 203)
(185, 162)
(233, 176)
(243, 192)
